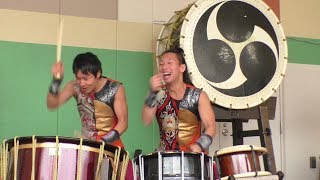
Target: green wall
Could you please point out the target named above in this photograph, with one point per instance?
(304, 50)
(26, 73)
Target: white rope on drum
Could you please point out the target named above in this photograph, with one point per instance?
(79, 164)
(55, 170)
(98, 170)
(34, 147)
(16, 151)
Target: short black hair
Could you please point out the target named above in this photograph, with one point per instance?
(87, 63)
(179, 52)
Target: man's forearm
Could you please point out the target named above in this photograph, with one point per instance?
(52, 101)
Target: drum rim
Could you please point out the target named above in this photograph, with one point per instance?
(249, 174)
(172, 152)
(241, 148)
(168, 153)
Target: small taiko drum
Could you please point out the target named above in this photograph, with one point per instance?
(240, 161)
(173, 165)
(42, 158)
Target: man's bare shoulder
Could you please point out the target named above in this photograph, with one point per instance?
(71, 86)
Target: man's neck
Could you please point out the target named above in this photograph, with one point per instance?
(101, 82)
(177, 90)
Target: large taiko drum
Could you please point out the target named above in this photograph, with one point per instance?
(173, 165)
(235, 50)
(240, 161)
(44, 158)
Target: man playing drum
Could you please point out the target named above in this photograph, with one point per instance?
(181, 109)
(101, 101)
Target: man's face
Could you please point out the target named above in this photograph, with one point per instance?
(170, 67)
(87, 82)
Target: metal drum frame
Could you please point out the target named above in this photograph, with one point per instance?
(205, 166)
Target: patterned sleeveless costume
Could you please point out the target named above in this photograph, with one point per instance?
(97, 111)
(179, 121)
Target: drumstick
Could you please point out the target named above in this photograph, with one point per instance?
(157, 61)
(59, 42)
(162, 81)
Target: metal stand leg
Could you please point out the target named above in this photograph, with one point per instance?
(237, 130)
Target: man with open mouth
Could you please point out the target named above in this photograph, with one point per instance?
(180, 108)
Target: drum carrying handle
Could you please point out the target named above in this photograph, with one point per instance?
(98, 170)
(218, 164)
(254, 161)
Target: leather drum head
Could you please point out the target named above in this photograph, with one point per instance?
(235, 50)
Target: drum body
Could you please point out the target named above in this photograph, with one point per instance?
(59, 158)
(173, 166)
(240, 161)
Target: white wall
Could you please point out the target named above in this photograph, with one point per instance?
(301, 121)
(147, 11)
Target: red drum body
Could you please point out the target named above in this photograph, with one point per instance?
(240, 161)
(42, 158)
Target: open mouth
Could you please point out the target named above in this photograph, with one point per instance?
(84, 89)
(166, 75)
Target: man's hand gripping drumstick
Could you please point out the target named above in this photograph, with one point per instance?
(156, 81)
(57, 68)
(156, 84)
(149, 108)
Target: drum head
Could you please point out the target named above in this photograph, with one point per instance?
(235, 50)
(242, 148)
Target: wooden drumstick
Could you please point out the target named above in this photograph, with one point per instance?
(162, 81)
(157, 61)
(59, 43)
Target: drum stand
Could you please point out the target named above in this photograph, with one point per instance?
(262, 113)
